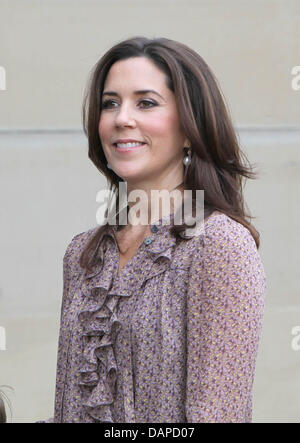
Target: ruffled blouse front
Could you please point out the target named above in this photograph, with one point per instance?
(173, 338)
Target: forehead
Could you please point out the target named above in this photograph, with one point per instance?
(136, 73)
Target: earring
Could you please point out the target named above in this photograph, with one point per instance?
(187, 157)
(108, 165)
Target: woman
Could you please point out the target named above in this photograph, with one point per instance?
(157, 326)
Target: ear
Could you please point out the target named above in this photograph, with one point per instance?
(187, 143)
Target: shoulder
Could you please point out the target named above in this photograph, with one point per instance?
(220, 229)
(76, 246)
(217, 237)
(220, 238)
(224, 250)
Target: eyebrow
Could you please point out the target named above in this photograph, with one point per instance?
(141, 91)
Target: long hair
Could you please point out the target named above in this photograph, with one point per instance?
(218, 165)
(3, 398)
(2, 410)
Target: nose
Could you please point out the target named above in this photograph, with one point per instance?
(124, 117)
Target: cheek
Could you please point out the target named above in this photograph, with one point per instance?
(103, 128)
(160, 126)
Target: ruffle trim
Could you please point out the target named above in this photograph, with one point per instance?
(100, 327)
(98, 374)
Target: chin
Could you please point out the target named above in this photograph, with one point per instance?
(130, 174)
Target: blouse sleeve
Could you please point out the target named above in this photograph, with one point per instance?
(68, 278)
(225, 304)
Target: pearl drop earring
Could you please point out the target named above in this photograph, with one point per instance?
(187, 157)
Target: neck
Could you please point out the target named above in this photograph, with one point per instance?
(145, 211)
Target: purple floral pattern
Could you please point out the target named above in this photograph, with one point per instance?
(172, 339)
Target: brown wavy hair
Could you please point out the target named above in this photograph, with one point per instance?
(218, 165)
(2, 411)
(3, 398)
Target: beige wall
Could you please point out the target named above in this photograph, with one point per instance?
(48, 185)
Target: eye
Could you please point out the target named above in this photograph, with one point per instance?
(149, 102)
(106, 103)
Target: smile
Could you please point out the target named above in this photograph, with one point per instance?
(128, 147)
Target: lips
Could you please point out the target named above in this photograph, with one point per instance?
(129, 149)
(128, 141)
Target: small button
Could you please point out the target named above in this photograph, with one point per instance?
(154, 228)
(148, 240)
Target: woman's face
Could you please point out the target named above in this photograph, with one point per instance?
(147, 117)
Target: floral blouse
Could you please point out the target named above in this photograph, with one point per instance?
(172, 339)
